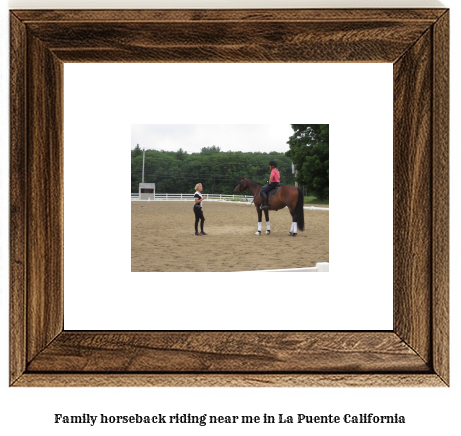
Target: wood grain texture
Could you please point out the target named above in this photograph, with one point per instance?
(205, 15)
(414, 354)
(44, 197)
(230, 35)
(230, 380)
(18, 211)
(441, 212)
(358, 41)
(413, 196)
(236, 352)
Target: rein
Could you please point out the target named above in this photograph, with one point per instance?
(256, 184)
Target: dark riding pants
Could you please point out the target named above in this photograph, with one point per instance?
(198, 216)
(268, 188)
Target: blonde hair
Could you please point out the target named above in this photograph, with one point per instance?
(197, 185)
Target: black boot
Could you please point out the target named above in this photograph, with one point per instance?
(264, 206)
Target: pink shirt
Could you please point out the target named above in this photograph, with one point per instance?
(275, 175)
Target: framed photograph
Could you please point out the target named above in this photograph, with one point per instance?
(414, 353)
(213, 174)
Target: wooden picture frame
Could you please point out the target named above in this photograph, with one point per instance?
(414, 353)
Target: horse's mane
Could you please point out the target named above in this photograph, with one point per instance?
(253, 181)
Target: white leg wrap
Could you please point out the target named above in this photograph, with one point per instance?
(268, 225)
(259, 227)
(295, 227)
(291, 228)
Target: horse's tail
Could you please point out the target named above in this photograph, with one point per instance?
(300, 210)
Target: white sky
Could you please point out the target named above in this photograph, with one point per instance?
(229, 137)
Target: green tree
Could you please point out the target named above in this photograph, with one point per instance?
(219, 172)
(212, 149)
(136, 151)
(309, 151)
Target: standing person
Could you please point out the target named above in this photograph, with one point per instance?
(273, 182)
(198, 198)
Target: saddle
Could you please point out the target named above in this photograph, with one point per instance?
(272, 191)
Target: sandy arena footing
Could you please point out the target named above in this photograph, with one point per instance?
(163, 240)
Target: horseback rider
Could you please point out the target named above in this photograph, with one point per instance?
(274, 180)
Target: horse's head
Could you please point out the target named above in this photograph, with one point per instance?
(243, 184)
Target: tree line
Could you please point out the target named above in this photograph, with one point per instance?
(220, 171)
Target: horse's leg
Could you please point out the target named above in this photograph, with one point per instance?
(294, 224)
(268, 224)
(260, 214)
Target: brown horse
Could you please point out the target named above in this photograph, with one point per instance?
(289, 196)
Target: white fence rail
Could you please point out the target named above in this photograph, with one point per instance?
(247, 199)
(189, 197)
